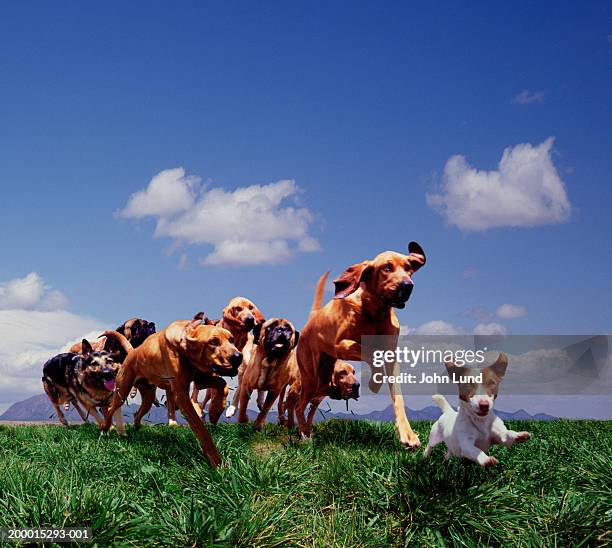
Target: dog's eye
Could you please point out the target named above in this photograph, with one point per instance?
(238, 309)
(214, 342)
(388, 267)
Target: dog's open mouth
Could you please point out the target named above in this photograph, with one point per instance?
(482, 413)
(278, 348)
(109, 384)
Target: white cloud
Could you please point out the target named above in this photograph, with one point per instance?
(437, 327)
(31, 337)
(240, 252)
(34, 326)
(527, 97)
(490, 329)
(30, 293)
(526, 190)
(256, 224)
(169, 192)
(441, 327)
(511, 311)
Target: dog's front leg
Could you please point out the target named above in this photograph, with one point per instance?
(217, 392)
(346, 349)
(470, 451)
(407, 436)
(119, 421)
(231, 410)
(261, 418)
(171, 408)
(243, 402)
(124, 382)
(502, 436)
(194, 398)
(207, 444)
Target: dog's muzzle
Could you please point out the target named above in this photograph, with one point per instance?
(402, 293)
(235, 359)
(249, 323)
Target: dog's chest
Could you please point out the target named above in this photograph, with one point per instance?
(270, 369)
(478, 432)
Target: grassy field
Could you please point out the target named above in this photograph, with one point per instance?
(352, 486)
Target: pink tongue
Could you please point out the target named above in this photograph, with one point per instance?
(110, 385)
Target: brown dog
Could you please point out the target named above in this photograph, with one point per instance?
(240, 317)
(267, 370)
(365, 296)
(171, 359)
(343, 385)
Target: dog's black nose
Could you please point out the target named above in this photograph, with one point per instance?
(404, 289)
(356, 389)
(235, 359)
(249, 322)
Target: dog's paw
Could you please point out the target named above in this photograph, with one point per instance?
(489, 461)
(214, 460)
(230, 411)
(305, 438)
(409, 441)
(258, 427)
(172, 422)
(522, 436)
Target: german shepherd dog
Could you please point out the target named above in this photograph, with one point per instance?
(85, 379)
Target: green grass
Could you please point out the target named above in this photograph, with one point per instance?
(352, 486)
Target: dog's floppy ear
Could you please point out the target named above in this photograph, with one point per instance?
(228, 316)
(296, 337)
(199, 318)
(500, 365)
(416, 256)
(195, 322)
(86, 348)
(351, 278)
(257, 332)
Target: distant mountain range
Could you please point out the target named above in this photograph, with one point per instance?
(39, 408)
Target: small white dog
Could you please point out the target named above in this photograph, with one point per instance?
(470, 431)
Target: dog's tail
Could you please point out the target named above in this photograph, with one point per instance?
(442, 403)
(121, 339)
(318, 299)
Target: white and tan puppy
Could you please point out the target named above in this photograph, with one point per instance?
(470, 431)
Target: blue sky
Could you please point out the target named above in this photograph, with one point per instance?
(360, 104)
